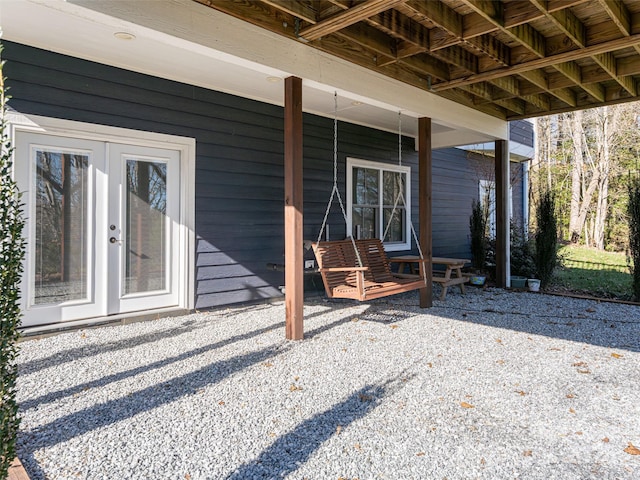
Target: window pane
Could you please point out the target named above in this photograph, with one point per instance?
(393, 186)
(365, 186)
(394, 223)
(61, 227)
(146, 263)
(364, 222)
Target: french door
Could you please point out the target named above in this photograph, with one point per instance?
(102, 227)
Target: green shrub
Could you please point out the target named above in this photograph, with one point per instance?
(522, 253)
(633, 211)
(478, 230)
(546, 238)
(11, 255)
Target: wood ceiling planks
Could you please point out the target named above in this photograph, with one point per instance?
(510, 58)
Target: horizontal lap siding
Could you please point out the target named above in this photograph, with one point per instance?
(239, 187)
(239, 164)
(455, 184)
(521, 131)
(517, 186)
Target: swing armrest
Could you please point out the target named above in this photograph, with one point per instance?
(344, 269)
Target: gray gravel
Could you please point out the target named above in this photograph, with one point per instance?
(491, 385)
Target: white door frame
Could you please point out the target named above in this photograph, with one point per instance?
(118, 300)
(185, 248)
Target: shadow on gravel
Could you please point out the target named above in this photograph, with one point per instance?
(290, 451)
(71, 354)
(103, 381)
(618, 327)
(152, 397)
(107, 413)
(378, 311)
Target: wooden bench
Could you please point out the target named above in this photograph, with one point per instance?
(343, 277)
(446, 278)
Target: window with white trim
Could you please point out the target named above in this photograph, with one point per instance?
(379, 202)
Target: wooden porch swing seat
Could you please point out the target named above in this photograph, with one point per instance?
(343, 277)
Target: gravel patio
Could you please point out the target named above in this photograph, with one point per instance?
(491, 385)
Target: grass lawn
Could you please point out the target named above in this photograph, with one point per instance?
(590, 271)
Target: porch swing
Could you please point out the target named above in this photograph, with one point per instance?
(358, 269)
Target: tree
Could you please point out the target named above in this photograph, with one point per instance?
(478, 231)
(583, 158)
(546, 238)
(633, 210)
(575, 227)
(11, 256)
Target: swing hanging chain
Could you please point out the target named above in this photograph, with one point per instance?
(335, 140)
(326, 214)
(335, 191)
(399, 183)
(399, 197)
(400, 137)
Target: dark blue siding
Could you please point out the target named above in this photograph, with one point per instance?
(239, 163)
(521, 131)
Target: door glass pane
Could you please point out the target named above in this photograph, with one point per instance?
(146, 236)
(61, 226)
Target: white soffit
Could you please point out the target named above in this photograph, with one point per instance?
(187, 42)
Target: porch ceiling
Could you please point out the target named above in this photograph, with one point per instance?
(510, 58)
(186, 41)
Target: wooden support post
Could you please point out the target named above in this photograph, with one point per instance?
(424, 204)
(293, 247)
(502, 213)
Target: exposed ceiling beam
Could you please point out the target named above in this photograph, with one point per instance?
(540, 101)
(608, 63)
(508, 58)
(620, 15)
(458, 57)
(529, 37)
(440, 14)
(297, 9)
(569, 24)
(427, 65)
(539, 79)
(371, 38)
(496, 50)
(571, 55)
(412, 37)
(508, 84)
(576, 31)
(572, 71)
(515, 105)
(522, 33)
(491, 11)
(341, 20)
(400, 26)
